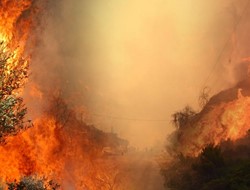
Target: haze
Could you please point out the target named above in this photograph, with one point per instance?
(136, 62)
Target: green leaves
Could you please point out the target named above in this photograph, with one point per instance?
(32, 183)
(13, 74)
(12, 113)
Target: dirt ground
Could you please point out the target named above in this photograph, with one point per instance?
(139, 171)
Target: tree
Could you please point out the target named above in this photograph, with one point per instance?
(204, 96)
(183, 117)
(13, 74)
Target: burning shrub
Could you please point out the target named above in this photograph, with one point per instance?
(32, 183)
(12, 110)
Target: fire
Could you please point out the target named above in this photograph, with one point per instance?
(48, 150)
(14, 31)
(54, 148)
(221, 122)
(10, 13)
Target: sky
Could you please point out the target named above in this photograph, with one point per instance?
(131, 64)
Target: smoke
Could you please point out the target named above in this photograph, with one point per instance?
(134, 61)
(127, 66)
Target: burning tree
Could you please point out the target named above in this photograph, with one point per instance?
(15, 24)
(12, 75)
(58, 146)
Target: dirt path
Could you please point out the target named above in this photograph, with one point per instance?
(141, 171)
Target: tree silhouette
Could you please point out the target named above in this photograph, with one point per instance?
(181, 118)
(204, 96)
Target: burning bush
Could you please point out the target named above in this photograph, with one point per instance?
(32, 183)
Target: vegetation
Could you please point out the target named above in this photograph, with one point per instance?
(30, 183)
(13, 74)
(222, 167)
(204, 97)
(181, 118)
(12, 111)
(225, 166)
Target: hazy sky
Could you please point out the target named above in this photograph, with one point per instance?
(141, 59)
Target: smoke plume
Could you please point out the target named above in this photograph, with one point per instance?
(127, 63)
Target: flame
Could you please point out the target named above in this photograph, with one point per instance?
(69, 155)
(15, 25)
(49, 150)
(225, 121)
(13, 30)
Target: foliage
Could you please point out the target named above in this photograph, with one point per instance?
(210, 162)
(213, 169)
(31, 183)
(12, 77)
(181, 118)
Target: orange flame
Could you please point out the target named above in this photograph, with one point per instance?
(15, 24)
(48, 149)
(14, 30)
(225, 121)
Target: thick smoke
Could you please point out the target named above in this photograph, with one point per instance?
(128, 65)
(134, 59)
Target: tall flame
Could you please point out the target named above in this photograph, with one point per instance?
(66, 153)
(47, 150)
(15, 23)
(220, 122)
